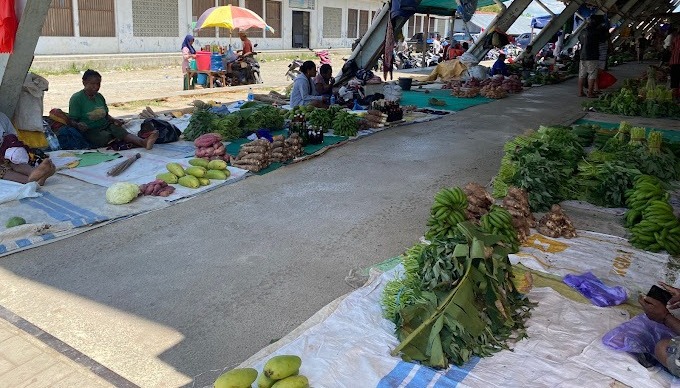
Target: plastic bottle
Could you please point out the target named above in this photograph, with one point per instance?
(251, 97)
(52, 140)
(333, 99)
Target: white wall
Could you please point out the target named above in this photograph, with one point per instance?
(123, 42)
(126, 42)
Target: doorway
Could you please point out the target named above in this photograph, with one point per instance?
(300, 29)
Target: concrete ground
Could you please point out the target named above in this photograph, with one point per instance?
(172, 297)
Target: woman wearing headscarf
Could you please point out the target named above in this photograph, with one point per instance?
(188, 52)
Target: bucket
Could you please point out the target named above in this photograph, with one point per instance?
(216, 62)
(405, 83)
(203, 60)
(192, 64)
(202, 79)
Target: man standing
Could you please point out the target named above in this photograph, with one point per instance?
(436, 45)
(590, 55)
(303, 89)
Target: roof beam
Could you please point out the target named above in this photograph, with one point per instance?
(573, 37)
(553, 26)
(18, 63)
(502, 22)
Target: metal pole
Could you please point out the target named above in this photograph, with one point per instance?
(426, 32)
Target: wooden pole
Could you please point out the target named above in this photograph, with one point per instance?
(426, 33)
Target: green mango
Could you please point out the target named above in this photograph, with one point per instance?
(176, 169)
(199, 162)
(14, 221)
(292, 382)
(217, 174)
(167, 177)
(189, 181)
(264, 382)
(280, 367)
(236, 378)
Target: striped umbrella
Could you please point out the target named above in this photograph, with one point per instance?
(231, 17)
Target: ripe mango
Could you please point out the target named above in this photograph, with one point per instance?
(236, 378)
(216, 174)
(280, 367)
(204, 181)
(199, 162)
(264, 381)
(167, 177)
(217, 165)
(189, 181)
(198, 172)
(292, 382)
(176, 169)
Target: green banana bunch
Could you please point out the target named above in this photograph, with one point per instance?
(447, 211)
(345, 124)
(651, 221)
(498, 221)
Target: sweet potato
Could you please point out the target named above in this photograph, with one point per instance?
(207, 139)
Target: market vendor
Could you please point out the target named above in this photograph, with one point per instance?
(667, 351)
(455, 50)
(324, 81)
(188, 52)
(303, 88)
(247, 44)
(14, 158)
(499, 67)
(89, 113)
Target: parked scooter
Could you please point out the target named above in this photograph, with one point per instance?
(247, 69)
(294, 69)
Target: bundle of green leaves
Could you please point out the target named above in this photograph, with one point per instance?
(467, 304)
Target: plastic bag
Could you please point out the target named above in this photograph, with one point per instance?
(639, 335)
(167, 132)
(605, 79)
(9, 191)
(28, 115)
(597, 292)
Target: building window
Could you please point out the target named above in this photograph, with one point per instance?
(255, 6)
(273, 18)
(433, 22)
(352, 23)
(363, 22)
(419, 24)
(332, 22)
(155, 18)
(59, 20)
(96, 18)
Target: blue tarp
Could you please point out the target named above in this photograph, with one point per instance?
(540, 21)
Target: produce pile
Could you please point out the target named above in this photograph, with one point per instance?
(511, 84)
(634, 99)
(375, 118)
(156, 188)
(284, 149)
(198, 174)
(345, 124)
(555, 223)
(498, 221)
(479, 201)
(490, 91)
(447, 211)
(469, 83)
(254, 156)
(456, 299)
(650, 218)
(465, 92)
(279, 372)
(209, 146)
(517, 204)
(121, 193)
(232, 126)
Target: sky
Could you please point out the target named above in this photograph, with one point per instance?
(536, 10)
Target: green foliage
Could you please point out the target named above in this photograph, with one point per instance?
(468, 304)
(605, 183)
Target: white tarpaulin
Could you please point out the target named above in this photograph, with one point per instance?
(610, 258)
(350, 346)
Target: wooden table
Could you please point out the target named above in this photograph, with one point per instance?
(212, 75)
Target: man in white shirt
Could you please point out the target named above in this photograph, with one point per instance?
(436, 45)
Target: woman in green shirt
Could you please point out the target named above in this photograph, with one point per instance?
(89, 113)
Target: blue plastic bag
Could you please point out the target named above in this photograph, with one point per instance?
(639, 335)
(592, 288)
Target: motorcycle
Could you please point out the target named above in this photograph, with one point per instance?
(294, 69)
(246, 70)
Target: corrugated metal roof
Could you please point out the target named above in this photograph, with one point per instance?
(520, 26)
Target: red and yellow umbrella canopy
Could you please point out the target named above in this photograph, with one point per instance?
(231, 17)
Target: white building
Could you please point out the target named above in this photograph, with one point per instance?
(158, 26)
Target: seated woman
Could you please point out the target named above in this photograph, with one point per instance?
(14, 158)
(455, 51)
(303, 89)
(499, 67)
(324, 81)
(89, 113)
